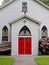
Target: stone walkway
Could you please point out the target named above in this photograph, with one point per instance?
(24, 60)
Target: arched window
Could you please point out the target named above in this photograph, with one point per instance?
(44, 31)
(25, 31)
(5, 33)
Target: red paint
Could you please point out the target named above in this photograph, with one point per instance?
(21, 45)
(27, 45)
(24, 45)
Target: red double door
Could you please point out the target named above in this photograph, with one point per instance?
(24, 45)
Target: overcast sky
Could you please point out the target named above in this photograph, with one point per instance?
(1, 2)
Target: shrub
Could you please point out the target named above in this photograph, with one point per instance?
(44, 46)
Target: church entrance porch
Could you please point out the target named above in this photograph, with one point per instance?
(25, 37)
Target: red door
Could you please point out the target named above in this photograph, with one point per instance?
(20, 45)
(27, 45)
(24, 45)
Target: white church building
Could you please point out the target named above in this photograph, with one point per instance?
(24, 23)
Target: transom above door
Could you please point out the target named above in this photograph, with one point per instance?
(25, 31)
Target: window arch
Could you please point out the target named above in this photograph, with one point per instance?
(24, 31)
(44, 31)
(5, 33)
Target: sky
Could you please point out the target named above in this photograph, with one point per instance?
(1, 2)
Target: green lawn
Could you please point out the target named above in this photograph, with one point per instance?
(42, 60)
(6, 61)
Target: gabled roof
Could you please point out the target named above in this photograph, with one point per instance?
(41, 3)
(24, 17)
(2, 6)
(11, 1)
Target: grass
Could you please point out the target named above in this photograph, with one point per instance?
(44, 60)
(6, 61)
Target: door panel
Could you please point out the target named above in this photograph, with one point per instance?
(24, 45)
(20, 45)
(27, 45)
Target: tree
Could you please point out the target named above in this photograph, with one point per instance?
(5, 1)
(45, 1)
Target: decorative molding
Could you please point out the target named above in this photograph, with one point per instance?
(25, 17)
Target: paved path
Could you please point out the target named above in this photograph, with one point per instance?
(24, 60)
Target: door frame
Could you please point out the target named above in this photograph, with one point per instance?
(31, 44)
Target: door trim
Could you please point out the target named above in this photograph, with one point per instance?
(25, 36)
